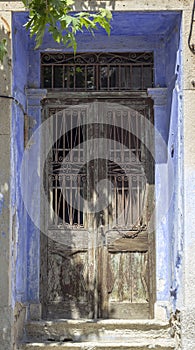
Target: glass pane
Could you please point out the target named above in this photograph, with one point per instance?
(137, 78)
(58, 76)
(147, 77)
(91, 81)
(103, 77)
(70, 84)
(65, 77)
(80, 77)
(47, 76)
(114, 77)
(125, 77)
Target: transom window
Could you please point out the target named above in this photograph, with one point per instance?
(97, 71)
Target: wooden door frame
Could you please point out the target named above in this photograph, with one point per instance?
(50, 100)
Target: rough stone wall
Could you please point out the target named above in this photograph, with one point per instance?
(188, 310)
(6, 315)
(19, 320)
(7, 220)
(175, 322)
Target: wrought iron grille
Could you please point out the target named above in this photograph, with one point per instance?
(71, 179)
(97, 71)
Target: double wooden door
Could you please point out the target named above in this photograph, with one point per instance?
(97, 260)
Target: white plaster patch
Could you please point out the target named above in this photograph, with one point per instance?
(4, 188)
(160, 285)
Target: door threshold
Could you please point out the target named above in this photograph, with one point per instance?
(108, 321)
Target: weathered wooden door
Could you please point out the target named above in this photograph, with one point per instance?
(98, 256)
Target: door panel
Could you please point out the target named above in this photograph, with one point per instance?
(129, 276)
(100, 262)
(68, 289)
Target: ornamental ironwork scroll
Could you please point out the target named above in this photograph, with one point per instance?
(68, 172)
(97, 71)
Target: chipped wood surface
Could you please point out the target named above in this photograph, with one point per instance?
(139, 243)
(96, 273)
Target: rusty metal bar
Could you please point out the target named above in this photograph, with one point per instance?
(98, 61)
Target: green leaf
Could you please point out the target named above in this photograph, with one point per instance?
(67, 19)
(70, 2)
(46, 13)
(106, 13)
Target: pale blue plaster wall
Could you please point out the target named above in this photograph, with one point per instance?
(20, 76)
(157, 32)
(175, 148)
(27, 234)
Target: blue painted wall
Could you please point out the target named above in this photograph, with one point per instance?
(20, 77)
(175, 148)
(158, 32)
(27, 234)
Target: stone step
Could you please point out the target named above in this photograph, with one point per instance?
(100, 331)
(142, 344)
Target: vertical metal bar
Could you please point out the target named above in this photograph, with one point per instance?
(71, 136)
(52, 77)
(71, 160)
(94, 77)
(138, 198)
(137, 141)
(68, 190)
(131, 199)
(115, 199)
(108, 78)
(63, 76)
(131, 76)
(68, 77)
(85, 67)
(51, 204)
(142, 76)
(115, 127)
(63, 133)
(79, 135)
(56, 201)
(122, 139)
(73, 201)
(74, 77)
(64, 154)
(59, 200)
(142, 196)
(63, 200)
(119, 77)
(70, 206)
(119, 195)
(129, 134)
(78, 199)
(56, 132)
(98, 77)
(126, 205)
(123, 200)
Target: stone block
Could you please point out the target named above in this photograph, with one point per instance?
(35, 312)
(6, 328)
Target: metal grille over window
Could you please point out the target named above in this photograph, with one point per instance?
(73, 180)
(97, 71)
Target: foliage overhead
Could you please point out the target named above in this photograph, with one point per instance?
(56, 16)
